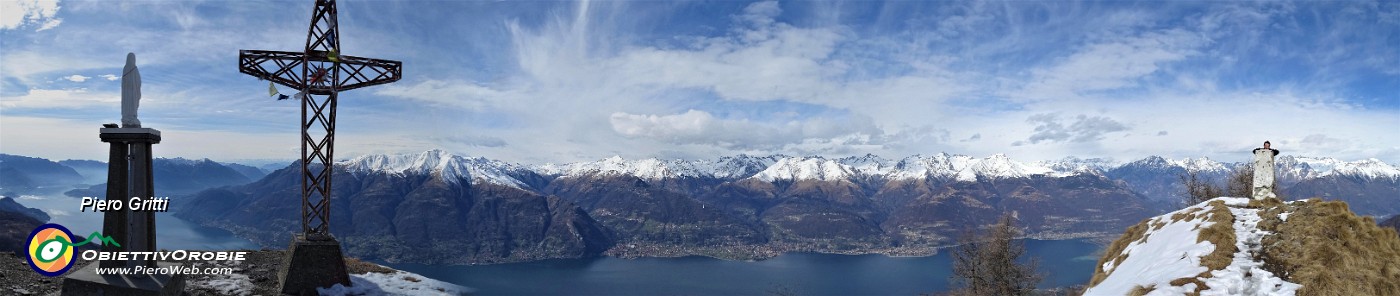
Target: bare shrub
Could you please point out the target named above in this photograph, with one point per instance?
(1198, 189)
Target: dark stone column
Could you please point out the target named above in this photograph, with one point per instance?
(142, 227)
(129, 175)
(115, 222)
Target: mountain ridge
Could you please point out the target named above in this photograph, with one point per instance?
(782, 167)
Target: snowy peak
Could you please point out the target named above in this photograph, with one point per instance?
(1199, 165)
(1202, 164)
(869, 164)
(967, 168)
(738, 167)
(1302, 167)
(649, 168)
(731, 167)
(941, 166)
(1000, 166)
(1074, 165)
(1370, 168)
(445, 165)
(806, 168)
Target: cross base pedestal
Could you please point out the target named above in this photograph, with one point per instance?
(86, 281)
(313, 261)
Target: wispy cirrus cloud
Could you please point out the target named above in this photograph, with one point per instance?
(567, 81)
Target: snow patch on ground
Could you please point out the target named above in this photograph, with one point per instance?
(1234, 201)
(236, 283)
(397, 283)
(1245, 275)
(1171, 252)
(230, 284)
(1166, 254)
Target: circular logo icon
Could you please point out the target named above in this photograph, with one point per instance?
(51, 250)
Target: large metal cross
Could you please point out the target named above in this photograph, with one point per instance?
(319, 72)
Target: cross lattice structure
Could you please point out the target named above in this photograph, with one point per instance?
(320, 72)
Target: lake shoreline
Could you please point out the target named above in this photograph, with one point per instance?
(758, 253)
(1066, 264)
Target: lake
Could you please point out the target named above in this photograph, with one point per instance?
(171, 233)
(1064, 263)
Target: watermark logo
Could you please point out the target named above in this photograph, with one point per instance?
(51, 248)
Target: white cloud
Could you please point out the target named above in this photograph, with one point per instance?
(25, 65)
(61, 98)
(1111, 65)
(110, 77)
(1050, 128)
(17, 13)
(77, 78)
(611, 77)
(461, 94)
(700, 127)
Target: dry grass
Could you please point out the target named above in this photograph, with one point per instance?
(1330, 251)
(1267, 203)
(1140, 290)
(1221, 233)
(355, 266)
(1200, 285)
(1322, 246)
(1115, 250)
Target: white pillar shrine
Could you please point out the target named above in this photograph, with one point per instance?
(1264, 172)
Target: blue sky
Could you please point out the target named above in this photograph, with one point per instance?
(547, 81)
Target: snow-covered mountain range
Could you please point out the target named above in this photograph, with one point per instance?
(941, 166)
(741, 207)
(450, 167)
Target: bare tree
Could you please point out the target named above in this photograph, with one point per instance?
(986, 264)
(1240, 182)
(1199, 189)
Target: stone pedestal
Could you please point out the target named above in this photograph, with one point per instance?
(128, 175)
(313, 261)
(86, 281)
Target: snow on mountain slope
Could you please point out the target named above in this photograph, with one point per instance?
(966, 168)
(649, 168)
(1169, 253)
(449, 167)
(1074, 165)
(869, 164)
(806, 168)
(732, 167)
(1302, 167)
(1203, 164)
(778, 167)
(1199, 165)
(738, 167)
